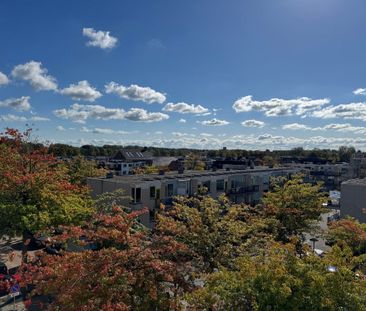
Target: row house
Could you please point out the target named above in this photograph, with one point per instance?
(241, 186)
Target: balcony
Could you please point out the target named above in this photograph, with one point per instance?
(247, 189)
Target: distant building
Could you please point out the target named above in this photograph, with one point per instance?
(163, 161)
(358, 165)
(332, 175)
(125, 161)
(231, 164)
(241, 186)
(353, 199)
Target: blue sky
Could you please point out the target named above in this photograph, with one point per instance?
(250, 74)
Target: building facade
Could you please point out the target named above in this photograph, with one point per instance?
(353, 199)
(241, 186)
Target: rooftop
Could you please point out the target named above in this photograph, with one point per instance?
(356, 181)
(189, 174)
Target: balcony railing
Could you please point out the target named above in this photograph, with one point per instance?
(247, 189)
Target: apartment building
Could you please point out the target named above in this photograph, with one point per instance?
(353, 199)
(332, 175)
(125, 161)
(242, 186)
(358, 165)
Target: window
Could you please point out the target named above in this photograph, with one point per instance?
(207, 184)
(220, 185)
(136, 195)
(152, 215)
(232, 184)
(152, 192)
(169, 190)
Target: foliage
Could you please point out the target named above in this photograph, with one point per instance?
(62, 150)
(35, 191)
(105, 201)
(348, 232)
(245, 258)
(295, 205)
(277, 279)
(129, 270)
(269, 161)
(194, 162)
(151, 169)
(216, 231)
(78, 168)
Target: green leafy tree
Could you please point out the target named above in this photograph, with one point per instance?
(295, 205)
(349, 232)
(79, 169)
(35, 190)
(278, 279)
(193, 162)
(216, 231)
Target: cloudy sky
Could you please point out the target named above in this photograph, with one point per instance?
(251, 74)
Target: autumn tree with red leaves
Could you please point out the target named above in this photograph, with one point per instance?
(35, 191)
(128, 268)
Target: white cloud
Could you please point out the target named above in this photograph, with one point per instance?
(98, 130)
(214, 122)
(101, 39)
(179, 134)
(252, 142)
(278, 106)
(60, 128)
(82, 90)
(345, 127)
(253, 123)
(182, 121)
(135, 92)
(13, 118)
(80, 113)
(339, 127)
(39, 119)
(360, 91)
(20, 104)
(296, 126)
(3, 79)
(185, 108)
(35, 75)
(138, 114)
(347, 111)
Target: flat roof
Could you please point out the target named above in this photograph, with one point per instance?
(356, 181)
(188, 174)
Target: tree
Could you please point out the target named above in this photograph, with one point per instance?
(345, 153)
(79, 169)
(269, 161)
(151, 169)
(194, 162)
(278, 279)
(216, 231)
(35, 191)
(295, 205)
(348, 232)
(129, 269)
